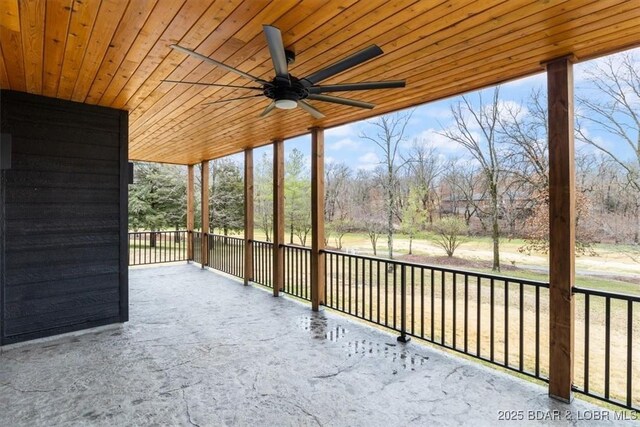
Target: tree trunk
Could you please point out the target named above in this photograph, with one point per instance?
(152, 239)
(291, 234)
(495, 230)
(410, 244)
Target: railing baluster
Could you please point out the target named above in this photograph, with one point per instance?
(478, 317)
(466, 313)
(587, 332)
(506, 323)
(629, 353)
(491, 319)
(537, 331)
(433, 338)
(421, 302)
(443, 308)
(521, 328)
(607, 346)
(413, 307)
(454, 298)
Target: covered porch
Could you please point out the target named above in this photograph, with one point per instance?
(201, 349)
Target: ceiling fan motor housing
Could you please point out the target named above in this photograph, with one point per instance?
(291, 89)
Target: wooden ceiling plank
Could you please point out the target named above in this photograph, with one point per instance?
(460, 83)
(83, 17)
(57, 20)
(525, 48)
(4, 77)
(129, 28)
(214, 15)
(233, 56)
(191, 12)
(163, 13)
(191, 67)
(396, 17)
(110, 14)
(32, 19)
(11, 39)
(266, 64)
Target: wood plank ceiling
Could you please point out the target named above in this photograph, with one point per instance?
(115, 52)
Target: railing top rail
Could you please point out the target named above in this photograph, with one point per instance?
(606, 294)
(226, 237)
(157, 231)
(294, 246)
(444, 269)
(261, 241)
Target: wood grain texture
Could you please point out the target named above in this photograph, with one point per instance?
(204, 210)
(116, 52)
(248, 215)
(278, 217)
(64, 217)
(317, 219)
(561, 227)
(190, 210)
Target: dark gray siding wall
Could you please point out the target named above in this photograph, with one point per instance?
(63, 217)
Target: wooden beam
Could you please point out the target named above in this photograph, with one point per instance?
(204, 207)
(278, 217)
(248, 215)
(561, 227)
(317, 218)
(190, 212)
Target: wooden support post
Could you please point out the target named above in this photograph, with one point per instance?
(317, 218)
(278, 217)
(190, 212)
(248, 215)
(561, 227)
(204, 207)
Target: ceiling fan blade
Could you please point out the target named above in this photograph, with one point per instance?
(268, 109)
(217, 63)
(232, 99)
(357, 86)
(310, 109)
(343, 101)
(212, 84)
(344, 64)
(276, 49)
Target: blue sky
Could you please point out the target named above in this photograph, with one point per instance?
(343, 144)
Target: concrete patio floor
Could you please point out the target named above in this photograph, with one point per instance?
(203, 350)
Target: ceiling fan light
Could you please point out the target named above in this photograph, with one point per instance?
(286, 104)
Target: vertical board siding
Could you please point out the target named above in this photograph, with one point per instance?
(63, 212)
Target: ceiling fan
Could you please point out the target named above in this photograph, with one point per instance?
(286, 91)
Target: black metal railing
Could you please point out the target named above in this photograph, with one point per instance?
(262, 262)
(497, 319)
(607, 348)
(197, 246)
(297, 271)
(226, 254)
(154, 247)
(500, 320)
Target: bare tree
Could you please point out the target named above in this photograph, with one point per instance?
(425, 167)
(462, 192)
(483, 147)
(388, 132)
(614, 108)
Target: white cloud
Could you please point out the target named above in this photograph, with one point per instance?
(368, 161)
(344, 144)
(343, 131)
